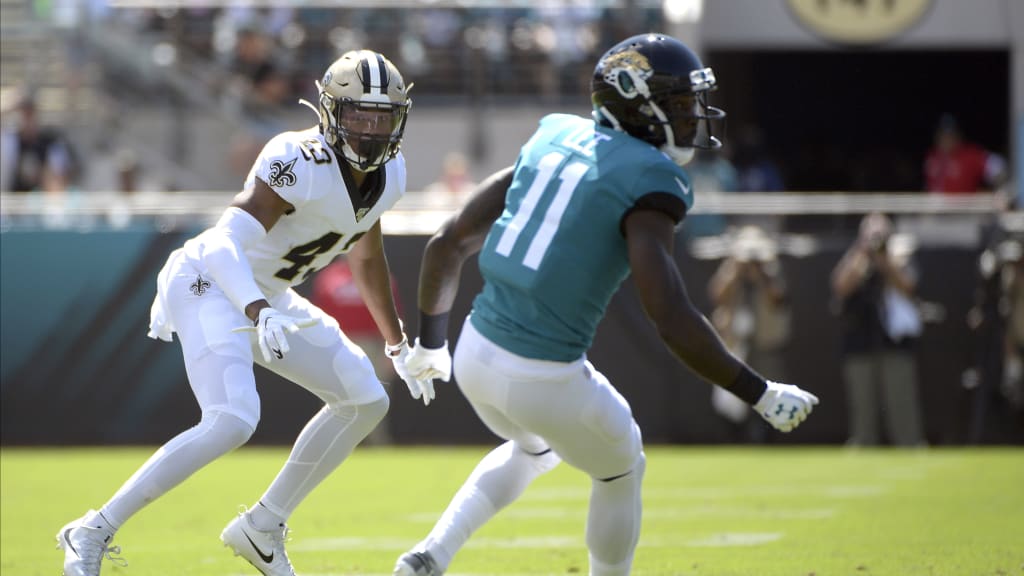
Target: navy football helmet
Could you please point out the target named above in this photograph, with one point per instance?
(653, 87)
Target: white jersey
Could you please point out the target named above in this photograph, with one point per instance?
(330, 213)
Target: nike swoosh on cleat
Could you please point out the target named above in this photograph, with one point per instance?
(264, 557)
(68, 541)
(277, 353)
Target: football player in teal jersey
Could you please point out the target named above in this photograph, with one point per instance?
(588, 202)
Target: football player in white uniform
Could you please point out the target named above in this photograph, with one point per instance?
(227, 293)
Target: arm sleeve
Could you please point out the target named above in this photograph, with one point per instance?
(664, 188)
(224, 255)
(668, 204)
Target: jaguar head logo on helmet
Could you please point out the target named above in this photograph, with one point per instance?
(653, 87)
(363, 105)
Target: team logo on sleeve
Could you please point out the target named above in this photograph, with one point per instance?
(200, 286)
(281, 174)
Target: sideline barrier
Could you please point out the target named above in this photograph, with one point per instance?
(77, 368)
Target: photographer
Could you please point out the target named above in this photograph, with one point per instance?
(752, 315)
(873, 288)
(994, 393)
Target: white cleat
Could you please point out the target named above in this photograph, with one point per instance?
(417, 564)
(264, 550)
(86, 541)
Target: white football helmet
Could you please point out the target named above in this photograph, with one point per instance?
(363, 107)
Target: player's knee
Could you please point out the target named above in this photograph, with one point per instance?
(544, 460)
(635, 474)
(226, 430)
(375, 411)
(366, 415)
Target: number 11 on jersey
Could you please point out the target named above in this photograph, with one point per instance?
(569, 177)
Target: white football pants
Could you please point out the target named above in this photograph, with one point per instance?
(570, 408)
(219, 367)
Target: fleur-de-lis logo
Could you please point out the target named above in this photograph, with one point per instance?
(200, 286)
(281, 174)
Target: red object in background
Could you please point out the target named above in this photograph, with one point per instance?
(336, 293)
(959, 171)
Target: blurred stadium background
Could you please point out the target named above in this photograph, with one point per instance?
(164, 105)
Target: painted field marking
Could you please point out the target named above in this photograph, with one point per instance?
(837, 491)
(576, 513)
(397, 545)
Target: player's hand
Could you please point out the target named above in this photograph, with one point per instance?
(430, 363)
(418, 387)
(270, 328)
(785, 406)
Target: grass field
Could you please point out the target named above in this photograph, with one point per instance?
(708, 511)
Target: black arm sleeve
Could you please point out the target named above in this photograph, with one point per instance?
(669, 204)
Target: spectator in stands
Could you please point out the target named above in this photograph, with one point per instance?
(956, 166)
(873, 286)
(252, 50)
(455, 183)
(34, 157)
(271, 88)
(131, 184)
(752, 315)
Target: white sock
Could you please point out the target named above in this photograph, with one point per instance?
(496, 482)
(96, 519)
(263, 519)
(613, 523)
(322, 445)
(216, 434)
(467, 512)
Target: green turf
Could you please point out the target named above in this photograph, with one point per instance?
(708, 511)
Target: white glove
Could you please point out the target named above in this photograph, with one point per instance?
(270, 329)
(430, 363)
(418, 388)
(785, 406)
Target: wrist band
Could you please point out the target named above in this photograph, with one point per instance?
(433, 330)
(749, 386)
(392, 351)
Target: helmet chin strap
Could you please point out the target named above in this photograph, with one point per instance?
(681, 155)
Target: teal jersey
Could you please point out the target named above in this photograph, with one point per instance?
(558, 253)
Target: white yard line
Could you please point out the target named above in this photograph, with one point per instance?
(576, 513)
(838, 491)
(398, 545)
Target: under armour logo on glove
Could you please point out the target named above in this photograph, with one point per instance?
(785, 406)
